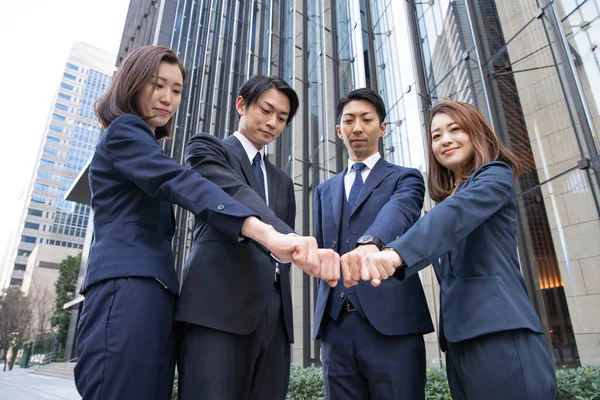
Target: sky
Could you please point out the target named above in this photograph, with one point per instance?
(36, 37)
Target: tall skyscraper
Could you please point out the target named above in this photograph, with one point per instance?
(531, 67)
(71, 135)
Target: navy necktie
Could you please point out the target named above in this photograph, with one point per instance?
(258, 174)
(357, 185)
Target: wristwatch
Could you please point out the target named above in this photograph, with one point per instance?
(369, 239)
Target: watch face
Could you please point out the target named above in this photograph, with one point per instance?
(366, 239)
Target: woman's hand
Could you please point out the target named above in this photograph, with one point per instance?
(380, 265)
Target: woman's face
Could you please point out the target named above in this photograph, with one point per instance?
(158, 100)
(451, 145)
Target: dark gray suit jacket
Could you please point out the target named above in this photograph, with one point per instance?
(226, 283)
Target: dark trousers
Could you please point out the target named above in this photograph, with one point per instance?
(361, 363)
(213, 364)
(505, 365)
(125, 341)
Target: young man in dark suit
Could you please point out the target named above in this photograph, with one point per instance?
(372, 338)
(235, 302)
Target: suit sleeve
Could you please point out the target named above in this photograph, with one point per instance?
(206, 155)
(402, 210)
(454, 218)
(317, 213)
(291, 218)
(135, 153)
(317, 229)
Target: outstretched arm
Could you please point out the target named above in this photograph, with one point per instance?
(400, 213)
(446, 224)
(130, 145)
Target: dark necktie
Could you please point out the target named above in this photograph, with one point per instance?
(357, 185)
(260, 178)
(258, 174)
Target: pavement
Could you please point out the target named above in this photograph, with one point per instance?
(19, 384)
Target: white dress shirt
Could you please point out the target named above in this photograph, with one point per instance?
(251, 151)
(351, 174)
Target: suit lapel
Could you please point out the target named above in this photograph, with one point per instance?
(379, 172)
(337, 197)
(272, 182)
(238, 150)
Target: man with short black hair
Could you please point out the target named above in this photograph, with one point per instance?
(235, 303)
(371, 337)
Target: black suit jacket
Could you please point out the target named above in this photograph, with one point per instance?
(226, 283)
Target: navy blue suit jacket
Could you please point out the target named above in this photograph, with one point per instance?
(470, 238)
(133, 183)
(388, 205)
(226, 285)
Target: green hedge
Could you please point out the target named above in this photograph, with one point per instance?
(581, 383)
(306, 384)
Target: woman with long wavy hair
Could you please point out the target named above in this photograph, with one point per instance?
(494, 341)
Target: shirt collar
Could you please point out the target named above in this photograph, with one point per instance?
(250, 149)
(369, 162)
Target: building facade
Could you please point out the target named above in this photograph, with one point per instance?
(531, 67)
(39, 281)
(72, 132)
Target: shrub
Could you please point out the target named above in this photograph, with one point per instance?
(306, 384)
(581, 383)
(437, 385)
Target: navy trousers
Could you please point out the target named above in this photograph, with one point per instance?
(512, 365)
(214, 364)
(125, 341)
(361, 363)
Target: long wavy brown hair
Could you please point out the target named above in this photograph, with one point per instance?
(139, 68)
(486, 147)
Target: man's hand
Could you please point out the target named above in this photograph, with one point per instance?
(380, 265)
(352, 263)
(321, 355)
(301, 250)
(329, 266)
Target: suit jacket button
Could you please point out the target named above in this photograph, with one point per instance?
(342, 294)
(221, 207)
(333, 244)
(169, 237)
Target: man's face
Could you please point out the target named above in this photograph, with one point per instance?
(264, 120)
(360, 129)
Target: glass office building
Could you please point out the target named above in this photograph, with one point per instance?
(71, 135)
(531, 67)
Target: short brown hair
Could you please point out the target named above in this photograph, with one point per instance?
(139, 68)
(486, 147)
